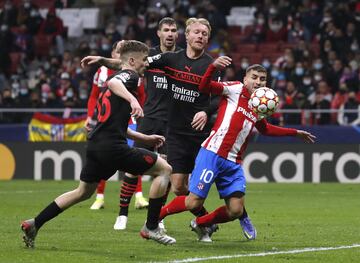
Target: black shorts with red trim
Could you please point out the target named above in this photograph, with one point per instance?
(182, 151)
(101, 165)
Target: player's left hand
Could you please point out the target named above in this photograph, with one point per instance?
(306, 136)
(199, 120)
(222, 62)
(154, 140)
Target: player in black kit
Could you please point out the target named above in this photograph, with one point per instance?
(155, 112)
(107, 149)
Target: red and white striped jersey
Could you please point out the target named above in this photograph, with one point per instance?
(101, 76)
(99, 81)
(235, 120)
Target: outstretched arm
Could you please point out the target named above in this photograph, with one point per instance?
(151, 140)
(268, 129)
(111, 63)
(207, 85)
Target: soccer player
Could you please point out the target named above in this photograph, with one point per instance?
(219, 159)
(108, 151)
(99, 83)
(155, 112)
(189, 108)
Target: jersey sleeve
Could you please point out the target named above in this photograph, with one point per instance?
(95, 91)
(141, 95)
(159, 61)
(94, 94)
(130, 80)
(268, 129)
(207, 85)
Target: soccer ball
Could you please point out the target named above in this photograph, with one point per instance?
(264, 101)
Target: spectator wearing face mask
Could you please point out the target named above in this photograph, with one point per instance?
(276, 30)
(297, 74)
(240, 74)
(306, 87)
(259, 29)
(65, 85)
(349, 118)
(34, 20)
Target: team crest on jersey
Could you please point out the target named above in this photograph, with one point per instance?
(149, 159)
(124, 76)
(200, 186)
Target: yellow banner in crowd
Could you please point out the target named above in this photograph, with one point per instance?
(46, 128)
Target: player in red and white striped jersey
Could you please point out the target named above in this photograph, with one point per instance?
(219, 160)
(99, 83)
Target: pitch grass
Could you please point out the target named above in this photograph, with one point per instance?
(287, 217)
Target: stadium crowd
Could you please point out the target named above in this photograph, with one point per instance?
(310, 49)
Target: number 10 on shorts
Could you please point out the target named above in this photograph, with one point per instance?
(206, 176)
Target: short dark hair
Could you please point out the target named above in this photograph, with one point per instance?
(114, 45)
(256, 67)
(130, 46)
(168, 21)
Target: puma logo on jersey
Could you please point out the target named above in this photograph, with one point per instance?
(188, 68)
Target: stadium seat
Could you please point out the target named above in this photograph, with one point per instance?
(246, 48)
(268, 47)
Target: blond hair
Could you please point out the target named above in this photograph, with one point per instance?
(193, 20)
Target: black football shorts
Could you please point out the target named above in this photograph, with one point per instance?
(182, 151)
(101, 165)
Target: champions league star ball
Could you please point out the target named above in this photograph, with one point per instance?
(264, 101)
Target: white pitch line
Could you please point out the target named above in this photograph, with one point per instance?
(263, 254)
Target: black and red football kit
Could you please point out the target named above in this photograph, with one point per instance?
(107, 149)
(184, 75)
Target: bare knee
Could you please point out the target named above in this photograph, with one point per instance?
(193, 202)
(161, 167)
(179, 189)
(179, 184)
(235, 211)
(83, 194)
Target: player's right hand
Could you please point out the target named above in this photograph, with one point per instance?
(222, 62)
(88, 60)
(136, 110)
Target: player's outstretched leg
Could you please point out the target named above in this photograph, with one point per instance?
(157, 235)
(29, 229)
(161, 171)
(248, 228)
